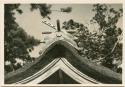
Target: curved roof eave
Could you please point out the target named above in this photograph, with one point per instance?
(94, 69)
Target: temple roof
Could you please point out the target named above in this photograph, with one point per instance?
(63, 46)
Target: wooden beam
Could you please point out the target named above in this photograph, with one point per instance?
(46, 32)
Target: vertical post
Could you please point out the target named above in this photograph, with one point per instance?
(58, 26)
(60, 77)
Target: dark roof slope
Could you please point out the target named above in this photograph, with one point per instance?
(100, 73)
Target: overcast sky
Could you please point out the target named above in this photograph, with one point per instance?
(31, 22)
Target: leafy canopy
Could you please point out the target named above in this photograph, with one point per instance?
(104, 47)
(17, 42)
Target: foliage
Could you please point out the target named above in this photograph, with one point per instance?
(68, 9)
(104, 47)
(43, 8)
(17, 42)
(90, 42)
(107, 19)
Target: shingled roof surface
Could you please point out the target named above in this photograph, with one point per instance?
(65, 48)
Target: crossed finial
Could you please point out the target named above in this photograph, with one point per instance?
(52, 26)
